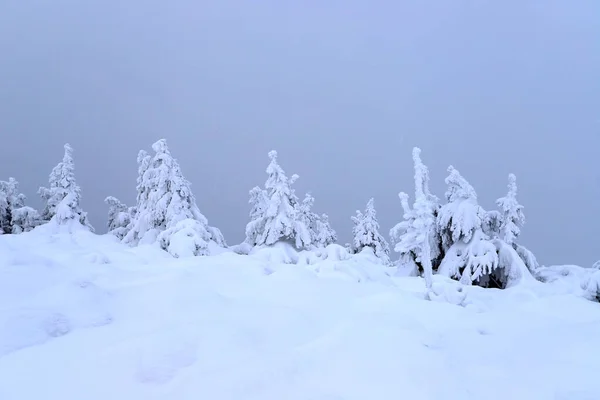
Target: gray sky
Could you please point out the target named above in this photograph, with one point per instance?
(342, 89)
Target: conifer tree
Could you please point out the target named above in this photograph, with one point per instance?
(15, 216)
(512, 213)
(416, 237)
(366, 233)
(279, 221)
(166, 209)
(119, 217)
(62, 197)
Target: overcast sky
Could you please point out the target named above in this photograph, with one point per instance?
(342, 89)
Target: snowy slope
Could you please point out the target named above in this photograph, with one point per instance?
(83, 317)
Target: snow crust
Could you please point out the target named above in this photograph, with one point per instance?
(83, 316)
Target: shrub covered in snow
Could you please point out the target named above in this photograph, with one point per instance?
(366, 233)
(15, 216)
(119, 217)
(591, 287)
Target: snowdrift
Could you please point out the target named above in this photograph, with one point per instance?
(85, 317)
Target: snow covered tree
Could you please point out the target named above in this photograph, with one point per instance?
(321, 232)
(462, 216)
(469, 255)
(63, 195)
(15, 216)
(256, 226)
(324, 233)
(306, 216)
(416, 236)
(275, 215)
(512, 213)
(366, 233)
(10, 199)
(119, 217)
(166, 209)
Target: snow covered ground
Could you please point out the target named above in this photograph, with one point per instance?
(83, 317)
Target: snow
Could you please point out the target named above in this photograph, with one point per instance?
(83, 316)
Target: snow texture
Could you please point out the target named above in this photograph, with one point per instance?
(86, 317)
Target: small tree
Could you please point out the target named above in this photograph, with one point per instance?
(255, 228)
(275, 215)
(10, 199)
(119, 217)
(166, 209)
(24, 219)
(512, 213)
(325, 234)
(462, 216)
(321, 232)
(63, 195)
(366, 233)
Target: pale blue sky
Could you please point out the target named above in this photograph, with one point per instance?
(342, 89)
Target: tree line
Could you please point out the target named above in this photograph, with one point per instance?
(455, 237)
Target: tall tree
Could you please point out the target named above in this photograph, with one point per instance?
(416, 236)
(63, 195)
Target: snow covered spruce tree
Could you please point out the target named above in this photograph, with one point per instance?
(15, 216)
(510, 222)
(324, 232)
(63, 195)
(471, 254)
(166, 210)
(416, 237)
(321, 232)
(119, 217)
(366, 234)
(274, 215)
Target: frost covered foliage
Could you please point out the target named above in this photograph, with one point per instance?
(275, 215)
(15, 216)
(166, 210)
(63, 195)
(478, 246)
(119, 217)
(366, 233)
(321, 232)
(461, 216)
(512, 213)
(469, 254)
(591, 287)
(416, 237)
(506, 224)
(325, 235)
